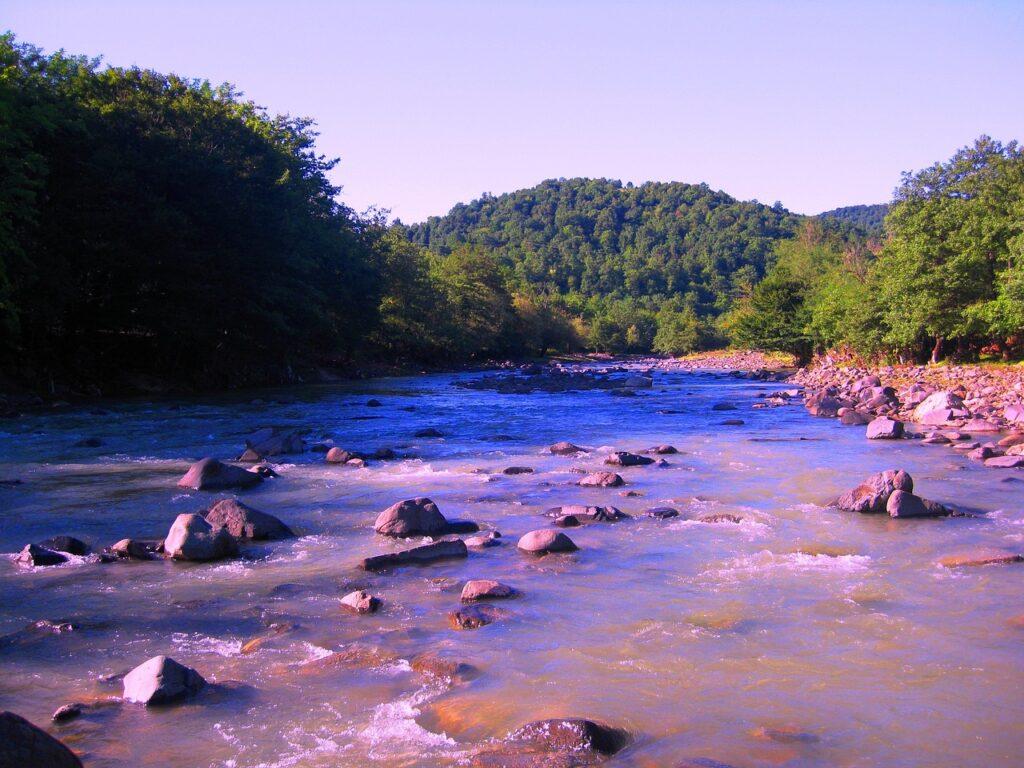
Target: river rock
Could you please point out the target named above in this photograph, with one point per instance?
(517, 471)
(874, 492)
(68, 544)
(212, 475)
(244, 522)
(571, 735)
(601, 480)
(33, 556)
(1014, 414)
(273, 441)
(852, 418)
(884, 428)
(475, 616)
(940, 408)
(484, 540)
(136, 549)
(662, 513)
(664, 450)
(428, 553)
(338, 455)
(981, 453)
(485, 589)
(981, 425)
(541, 542)
(1005, 462)
(67, 712)
(418, 517)
(565, 448)
(192, 538)
(906, 504)
(161, 680)
(23, 745)
(429, 432)
(627, 459)
(441, 665)
(588, 514)
(980, 556)
(361, 601)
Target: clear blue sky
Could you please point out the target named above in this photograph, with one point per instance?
(817, 104)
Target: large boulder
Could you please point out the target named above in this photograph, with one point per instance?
(541, 542)
(485, 589)
(33, 556)
(161, 680)
(192, 538)
(601, 480)
(244, 522)
(23, 745)
(906, 504)
(212, 475)
(627, 459)
(884, 428)
(68, 544)
(1014, 414)
(940, 408)
(873, 494)
(1005, 462)
(428, 553)
(418, 517)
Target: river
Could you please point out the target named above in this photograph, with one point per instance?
(799, 636)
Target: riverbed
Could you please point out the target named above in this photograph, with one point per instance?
(798, 636)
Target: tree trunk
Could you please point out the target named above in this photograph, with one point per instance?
(937, 349)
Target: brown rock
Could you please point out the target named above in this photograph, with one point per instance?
(565, 448)
(23, 745)
(544, 541)
(873, 493)
(601, 480)
(980, 556)
(212, 475)
(475, 616)
(428, 553)
(244, 522)
(486, 589)
(361, 602)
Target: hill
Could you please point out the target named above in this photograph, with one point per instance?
(869, 219)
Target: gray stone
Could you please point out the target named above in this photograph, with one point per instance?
(428, 553)
(161, 680)
(874, 492)
(213, 475)
(601, 480)
(244, 522)
(884, 428)
(192, 538)
(543, 541)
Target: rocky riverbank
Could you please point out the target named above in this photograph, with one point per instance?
(974, 409)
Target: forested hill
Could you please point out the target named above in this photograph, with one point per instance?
(869, 219)
(588, 238)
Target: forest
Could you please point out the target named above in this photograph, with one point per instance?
(156, 229)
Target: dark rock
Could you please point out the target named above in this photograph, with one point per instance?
(721, 517)
(428, 553)
(213, 475)
(852, 418)
(161, 680)
(33, 556)
(664, 449)
(338, 455)
(662, 513)
(475, 616)
(572, 735)
(588, 514)
(136, 549)
(68, 544)
(192, 538)
(89, 442)
(543, 541)
(67, 712)
(273, 441)
(723, 407)
(244, 522)
(626, 459)
(874, 492)
(429, 432)
(565, 449)
(442, 666)
(373, 403)
(23, 745)
(732, 422)
(517, 471)
(384, 454)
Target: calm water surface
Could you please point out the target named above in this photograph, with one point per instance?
(691, 635)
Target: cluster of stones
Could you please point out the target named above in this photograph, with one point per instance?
(978, 403)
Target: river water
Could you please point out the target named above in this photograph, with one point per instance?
(835, 633)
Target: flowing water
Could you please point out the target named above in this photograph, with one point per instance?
(835, 633)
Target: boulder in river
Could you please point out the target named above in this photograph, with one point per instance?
(23, 745)
(273, 441)
(33, 556)
(1014, 414)
(68, 544)
(884, 428)
(361, 601)
(212, 475)
(627, 459)
(67, 712)
(485, 589)
(873, 494)
(418, 517)
(940, 408)
(442, 665)
(664, 450)
(192, 538)
(662, 513)
(587, 514)
(428, 553)
(980, 556)
(244, 522)
(338, 455)
(429, 432)
(601, 480)
(517, 471)
(576, 736)
(1005, 462)
(906, 504)
(136, 549)
(161, 680)
(852, 418)
(541, 542)
(565, 448)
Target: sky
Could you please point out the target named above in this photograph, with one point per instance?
(814, 104)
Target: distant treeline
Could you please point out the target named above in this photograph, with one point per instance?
(153, 226)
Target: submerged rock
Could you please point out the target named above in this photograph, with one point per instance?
(980, 556)
(428, 553)
(721, 517)
(212, 475)
(244, 522)
(23, 745)
(517, 471)
(485, 589)
(361, 602)
(67, 712)
(571, 735)
(565, 448)
(192, 538)
(475, 616)
(429, 432)
(436, 664)
(68, 544)
(662, 513)
(601, 480)
(543, 541)
(161, 680)
(587, 514)
(873, 494)
(664, 450)
(33, 556)
(627, 459)
(338, 455)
